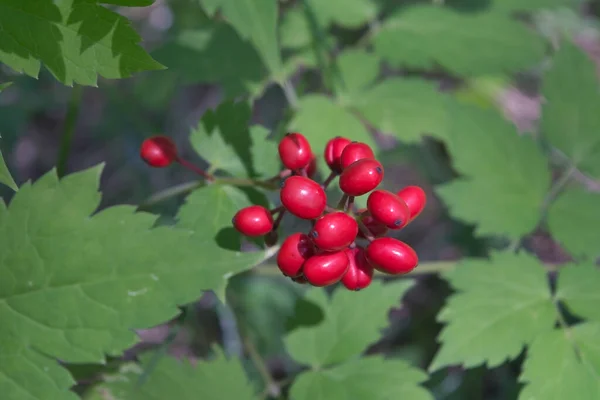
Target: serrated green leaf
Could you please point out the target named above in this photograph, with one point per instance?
(218, 378)
(129, 3)
(294, 29)
(104, 275)
(215, 54)
(572, 220)
(406, 108)
(77, 40)
(578, 288)
(552, 370)
(570, 117)
(510, 6)
(465, 44)
(352, 320)
(506, 176)
(585, 337)
(320, 119)
(358, 69)
(494, 315)
(5, 176)
(346, 13)
(367, 378)
(255, 20)
(265, 161)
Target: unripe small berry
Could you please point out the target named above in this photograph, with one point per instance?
(303, 197)
(388, 209)
(360, 272)
(158, 151)
(334, 231)
(253, 221)
(326, 268)
(294, 151)
(391, 256)
(361, 177)
(353, 152)
(333, 152)
(294, 251)
(415, 199)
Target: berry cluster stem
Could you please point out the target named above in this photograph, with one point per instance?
(342, 203)
(365, 231)
(196, 169)
(329, 179)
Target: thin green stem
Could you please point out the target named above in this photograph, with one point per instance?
(69, 130)
(169, 193)
(558, 186)
(290, 94)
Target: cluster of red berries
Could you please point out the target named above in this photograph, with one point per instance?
(329, 253)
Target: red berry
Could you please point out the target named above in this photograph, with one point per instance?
(361, 177)
(333, 152)
(311, 168)
(388, 209)
(334, 231)
(294, 251)
(326, 268)
(158, 151)
(353, 152)
(253, 221)
(391, 256)
(360, 272)
(415, 199)
(295, 151)
(376, 228)
(303, 197)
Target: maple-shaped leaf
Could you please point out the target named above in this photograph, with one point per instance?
(373, 378)
(216, 378)
(77, 40)
(351, 321)
(358, 70)
(505, 176)
(493, 315)
(76, 285)
(570, 119)
(561, 365)
(578, 288)
(425, 36)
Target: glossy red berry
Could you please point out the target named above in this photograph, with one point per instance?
(376, 228)
(334, 231)
(295, 151)
(303, 197)
(158, 151)
(333, 152)
(253, 221)
(361, 177)
(360, 272)
(415, 199)
(391, 256)
(294, 251)
(388, 209)
(353, 152)
(326, 268)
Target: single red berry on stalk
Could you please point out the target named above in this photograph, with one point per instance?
(334, 231)
(333, 152)
(388, 209)
(376, 228)
(253, 221)
(326, 268)
(295, 151)
(158, 151)
(361, 177)
(303, 197)
(353, 152)
(415, 199)
(360, 272)
(391, 256)
(294, 251)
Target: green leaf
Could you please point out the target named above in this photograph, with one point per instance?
(104, 275)
(5, 176)
(358, 70)
(294, 29)
(77, 40)
(255, 20)
(465, 44)
(218, 378)
(5, 85)
(351, 322)
(585, 337)
(570, 118)
(371, 378)
(320, 119)
(215, 54)
(501, 306)
(553, 371)
(346, 13)
(506, 176)
(405, 108)
(510, 6)
(572, 220)
(129, 3)
(265, 160)
(578, 288)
